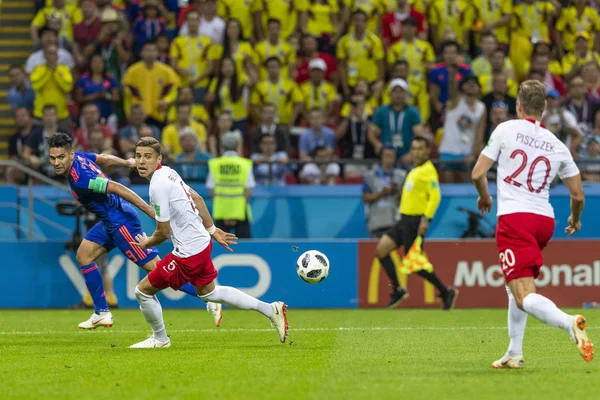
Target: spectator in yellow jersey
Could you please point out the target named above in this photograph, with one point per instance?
(497, 66)
(373, 9)
(229, 92)
(419, 97)
(274, 46)
(362, 88)
(52, 84)
(184, 122)
(482, 65)
(324, 22)
(494, 16)
(573, 61)
(451, 15)
(418, 53)
(247, 12)
(235, 47)
(185, 95)
(531, 19)
(575, 19)
(68, 15)
(152, 84)
(281, 91)
(291, 13)
(189, 56)
(360, 55)
(318, 93)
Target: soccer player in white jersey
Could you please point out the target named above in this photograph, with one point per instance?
(181, 214)
(529, 157)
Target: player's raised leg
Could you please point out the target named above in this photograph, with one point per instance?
(387, 244)
(152, 310)
(542, 308)
(517, 320)
(232, 297)
(87, 253)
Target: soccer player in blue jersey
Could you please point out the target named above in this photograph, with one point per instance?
(119, 221)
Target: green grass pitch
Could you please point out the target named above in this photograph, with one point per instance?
(350, 354)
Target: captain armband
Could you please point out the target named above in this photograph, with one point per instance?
(98, 185)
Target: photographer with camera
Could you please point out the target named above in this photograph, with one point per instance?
(381, 193)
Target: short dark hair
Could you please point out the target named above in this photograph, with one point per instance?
(149, 142)
(449, 43)
(49, 107)
(403, 61)
(45, 29)
(422, 140)
(273, 58)
(15, 66)
(60, 140)
(274, 21)
(149, 42)
(361, 12)
(488, 34)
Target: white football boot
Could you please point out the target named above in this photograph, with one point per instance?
(216, 310)
(104, 319)
(516, 362)
(151, 343)
(279, 319)
(585, 346)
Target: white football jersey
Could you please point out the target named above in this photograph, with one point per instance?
(170, 197)
(529, 157)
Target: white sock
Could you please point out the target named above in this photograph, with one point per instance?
(236, 298)
(517, 319)
(546, 311)
(153, 313)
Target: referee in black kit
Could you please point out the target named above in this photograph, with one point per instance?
(418, 204)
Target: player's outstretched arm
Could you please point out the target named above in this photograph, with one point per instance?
(479, 177)
(107, 160)
(223, 238)
(575, 188)
(130, 196)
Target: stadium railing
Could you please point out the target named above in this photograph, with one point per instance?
(33, 178)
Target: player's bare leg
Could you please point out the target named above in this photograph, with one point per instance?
(152, 310)
(517, 320)
(87, 253)
(542, 308)
(384, 247)
(276, 312)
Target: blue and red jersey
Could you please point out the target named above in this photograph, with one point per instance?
(89, 186)
(440, 77)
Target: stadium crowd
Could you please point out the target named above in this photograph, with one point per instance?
(300, 84)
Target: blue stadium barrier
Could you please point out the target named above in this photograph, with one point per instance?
(310, 212)
(44, 275)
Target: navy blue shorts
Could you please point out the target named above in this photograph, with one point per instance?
(120, 237)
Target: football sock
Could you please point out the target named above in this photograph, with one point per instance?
(233, 297)
(435, 281)
(390, 270)
(93, 281)
(517, 319)
(546, 311)
(152, 311)
(189, 289)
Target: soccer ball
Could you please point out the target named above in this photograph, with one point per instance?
(312, 266)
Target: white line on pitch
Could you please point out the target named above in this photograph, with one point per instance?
(238, 330)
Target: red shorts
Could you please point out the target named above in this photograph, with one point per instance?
(174, 272)
(520, 239)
